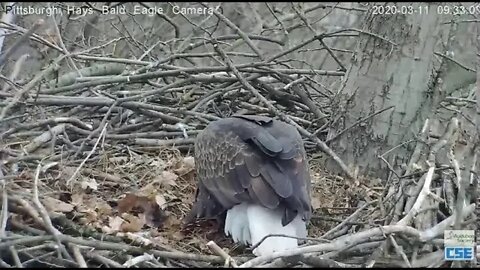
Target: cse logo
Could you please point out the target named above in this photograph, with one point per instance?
(458, 253)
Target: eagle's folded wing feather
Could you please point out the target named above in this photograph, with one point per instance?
(242, 161)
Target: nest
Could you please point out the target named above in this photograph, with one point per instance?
(95, 174)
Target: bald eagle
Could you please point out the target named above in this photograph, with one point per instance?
(253, 172)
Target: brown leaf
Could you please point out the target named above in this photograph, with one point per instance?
(54, 205)
(132, 201)
(149, 190)
(90, 216)
(132, 223)
(154, 216)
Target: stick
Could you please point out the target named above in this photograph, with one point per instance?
(29, 86)
(344, 222)
(78, 256)
(421, 197)
(17, 44)
(44, 214)
(88, 156)
(217, 250)
(284, 117)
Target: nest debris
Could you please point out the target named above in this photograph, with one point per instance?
(95, 175)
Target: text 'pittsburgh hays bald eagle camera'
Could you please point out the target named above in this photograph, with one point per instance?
(253, 171)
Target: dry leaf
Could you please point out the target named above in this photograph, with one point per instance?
(154, 216)
(54, 205)
(149, 190)
(166, 179)
(132, 201)
(115, 223)
(160, 200)
(88, 182)
(316, 203)
(90, 215)
(103, 208)
(132, 223)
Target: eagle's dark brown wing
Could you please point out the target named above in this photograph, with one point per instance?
(251, 159)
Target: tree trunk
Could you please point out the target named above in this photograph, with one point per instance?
(393, 67)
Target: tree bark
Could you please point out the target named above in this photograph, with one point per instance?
(393, 66)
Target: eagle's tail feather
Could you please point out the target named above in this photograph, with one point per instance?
(248, 223)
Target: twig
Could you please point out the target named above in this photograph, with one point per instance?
(414, 193)
(44, 138)
(88, 156)
(155, 142)
(29, 86)
(78, 256)
(60, 41)
(285, 118)
(339, 243)
(15, 257)
(137, 260)
(17, 68)
(344, 222)
(357, 123)
(4, 212)
(104, 260)
(455, 61)
(114, 246)
(238, 30)
(51, 121)
(44, 214)
(216, 249)
(31, 211)
(440, 228)
(321, 262)
(418, 147)
(399, 250)
(103, 124)
(7, 17)
(305, 21)
(4, 264)
(419, 202)
(17, 44)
